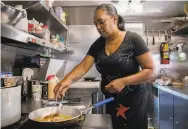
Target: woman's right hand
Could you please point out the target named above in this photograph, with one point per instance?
(61, 88)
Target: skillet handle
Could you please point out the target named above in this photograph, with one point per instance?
(104, 102)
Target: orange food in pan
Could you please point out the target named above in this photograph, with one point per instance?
(53, 118)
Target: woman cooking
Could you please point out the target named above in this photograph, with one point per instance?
(118, 56)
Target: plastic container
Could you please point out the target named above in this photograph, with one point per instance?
(6, 74)
(59, 11)
(38, 30)
(185, 81)
(23, 23)
(31, 28)
(50, 3)
(37, 92)
(46, 33)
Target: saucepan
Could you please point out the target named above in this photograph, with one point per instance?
(71, 111)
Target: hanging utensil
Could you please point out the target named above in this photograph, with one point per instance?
(147, 35)
(153, 38)
(166, 36)
(159, 34)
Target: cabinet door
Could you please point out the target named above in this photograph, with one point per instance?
(155, 110)
(165, 110)
(180, 113)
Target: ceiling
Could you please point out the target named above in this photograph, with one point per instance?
(168, 8)
(150, 18)
(80, 3)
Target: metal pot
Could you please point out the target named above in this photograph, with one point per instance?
(10, 15)
(10, 105)
(71, 111)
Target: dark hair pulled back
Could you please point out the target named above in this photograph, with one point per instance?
(111, 10)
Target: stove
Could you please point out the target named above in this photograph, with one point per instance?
(25, 123)
(17, 125)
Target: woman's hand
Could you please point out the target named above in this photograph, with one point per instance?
(115, 86)
(61, 88)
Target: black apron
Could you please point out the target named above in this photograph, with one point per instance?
(129, 110)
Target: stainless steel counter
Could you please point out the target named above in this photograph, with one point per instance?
(31, 105)
(177, 91)
(97, 121)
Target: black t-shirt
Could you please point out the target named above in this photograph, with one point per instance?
(119, 64)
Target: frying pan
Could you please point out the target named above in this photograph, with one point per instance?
(71, 111)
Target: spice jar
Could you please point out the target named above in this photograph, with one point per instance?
(44, 90)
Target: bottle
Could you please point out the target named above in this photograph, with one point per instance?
(52, 82)
(185, 81)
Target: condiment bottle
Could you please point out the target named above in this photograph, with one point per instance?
(185, 81)
(52, 82)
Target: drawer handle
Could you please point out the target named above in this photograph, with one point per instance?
(177, 122)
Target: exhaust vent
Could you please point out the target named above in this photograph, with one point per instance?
(114, 1)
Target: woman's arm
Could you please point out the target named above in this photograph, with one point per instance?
(144, 58)
(79, 71)
(146, 74)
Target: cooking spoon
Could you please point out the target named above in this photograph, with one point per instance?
(57, 113)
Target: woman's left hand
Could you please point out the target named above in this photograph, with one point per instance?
(115, 86)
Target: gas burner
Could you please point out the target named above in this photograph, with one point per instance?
(30, 125)
(25, 123)
(17, 125)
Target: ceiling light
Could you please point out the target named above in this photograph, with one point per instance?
(129, 8)
(134, 25)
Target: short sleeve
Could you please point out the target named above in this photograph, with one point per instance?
(139, 45)
(95, 47)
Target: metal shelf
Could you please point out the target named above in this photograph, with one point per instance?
(42, 13)
(25, 40)
(182, 30)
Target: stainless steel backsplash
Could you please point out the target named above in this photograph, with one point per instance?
(82, 36)
(175, 65)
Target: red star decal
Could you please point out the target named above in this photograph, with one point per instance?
(121, 111)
